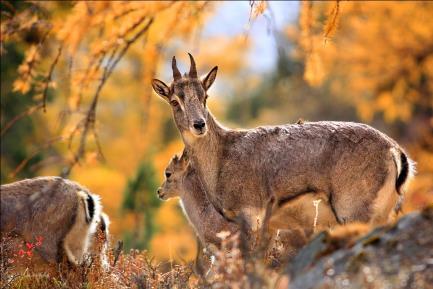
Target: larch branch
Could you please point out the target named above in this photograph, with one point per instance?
(23, 114)
(49, 77)
(89, 121)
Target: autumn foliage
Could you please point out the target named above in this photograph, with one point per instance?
(77, 101)
(383, 68)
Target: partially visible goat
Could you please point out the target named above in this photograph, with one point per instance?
(292, 225)
(65, 214)
(182, 181)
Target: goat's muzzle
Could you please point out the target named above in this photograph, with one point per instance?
(199, 127)
(160, 194)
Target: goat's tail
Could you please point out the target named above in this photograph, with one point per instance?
(88, 215)
(406, 169)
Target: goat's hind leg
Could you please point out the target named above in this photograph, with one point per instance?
(366, 200)
(386, 200)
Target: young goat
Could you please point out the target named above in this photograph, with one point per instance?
(182, 181)
(361, 170)
(292, 225)
(65, 214)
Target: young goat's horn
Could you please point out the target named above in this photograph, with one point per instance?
(193, 69)
(176, 72)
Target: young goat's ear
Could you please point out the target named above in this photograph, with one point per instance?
(184, 156)
(184, 160)
(210, 78)
(184, 163)
(175, 159)
(161, 88)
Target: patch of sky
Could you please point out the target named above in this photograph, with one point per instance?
(232, 18)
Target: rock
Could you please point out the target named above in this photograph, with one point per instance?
(395, 256)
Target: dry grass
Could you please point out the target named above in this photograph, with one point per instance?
(233, 267)
(237, 264)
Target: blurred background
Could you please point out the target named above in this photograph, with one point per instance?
(76, 98)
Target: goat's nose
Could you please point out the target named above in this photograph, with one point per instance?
(199, 124)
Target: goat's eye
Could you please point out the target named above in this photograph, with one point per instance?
(174, 103)
(167, 174)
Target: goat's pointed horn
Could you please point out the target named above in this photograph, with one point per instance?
(193, 69)
(176, 72)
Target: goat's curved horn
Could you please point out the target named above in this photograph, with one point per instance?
(193, 69)
(176, 72)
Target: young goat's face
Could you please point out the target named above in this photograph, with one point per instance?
(187, 98)
(174, 175)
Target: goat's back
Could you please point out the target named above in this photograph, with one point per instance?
(296, 158)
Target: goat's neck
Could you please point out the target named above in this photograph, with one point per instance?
(193, 192)
(205, 152)
(194, 199)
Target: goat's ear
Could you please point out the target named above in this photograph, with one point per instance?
(184, 160)
(210, 78)
(184, 163)
(161, 88)
(184, 155)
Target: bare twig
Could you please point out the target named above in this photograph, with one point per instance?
(98, 146)
(50, 160)
(33, 154)
(251, 3)
(126, 12)
(49, 77)
(117, 252)
(23, 114)
(83, 83)
(72, 134)
(128, 44)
